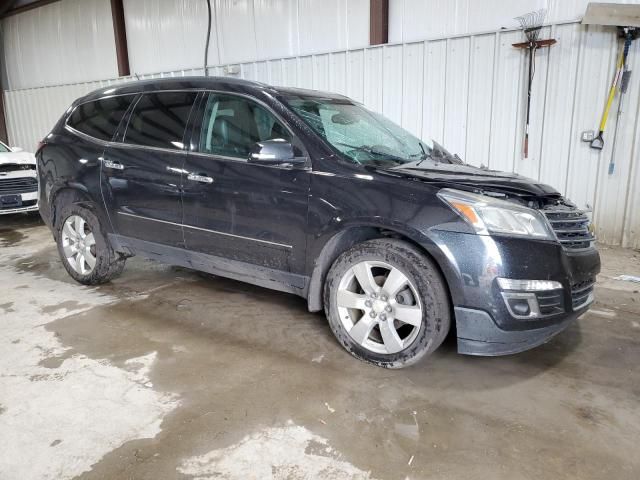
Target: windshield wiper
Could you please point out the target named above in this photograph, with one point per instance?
(372, 151)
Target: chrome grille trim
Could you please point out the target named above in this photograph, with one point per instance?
(571, 226)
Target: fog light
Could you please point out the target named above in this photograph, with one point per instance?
(522, 305)
(520, 296)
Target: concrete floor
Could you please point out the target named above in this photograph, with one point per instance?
(166, 373)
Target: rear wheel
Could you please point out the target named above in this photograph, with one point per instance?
(387, 303)
(84, 249)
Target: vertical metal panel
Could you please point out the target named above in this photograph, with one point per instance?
(412, 83)
(338, 72)
(481, 78)
(612, 188)
(392, 82)
(433, 107)
(355, 75)
(305, 72)
(290, 67)
(41, 45)
(276, 28)
(507, 100)
(164, 35)
(559, 106)
(410, 20)
(373, 78)
(170, 34)
(469, 91)
(456, 95)
(321, 72)
(597, 59)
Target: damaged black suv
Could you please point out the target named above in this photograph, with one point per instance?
(311, 193)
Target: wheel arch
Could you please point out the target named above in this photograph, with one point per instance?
(347, 238)
(68, 193)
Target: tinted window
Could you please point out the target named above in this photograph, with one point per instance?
(100, 118)
(159, 119)
(232, 125)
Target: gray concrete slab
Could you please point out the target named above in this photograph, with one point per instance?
(167, 373)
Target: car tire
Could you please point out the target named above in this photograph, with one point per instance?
(403, 304)
(84, 248)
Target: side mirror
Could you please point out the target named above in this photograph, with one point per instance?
(277, 153)
(16, 149)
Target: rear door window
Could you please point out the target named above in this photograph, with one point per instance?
(233, 124)
(100, 118)
(159, 119)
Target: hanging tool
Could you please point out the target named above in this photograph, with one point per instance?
(621, 80)
(531, 24)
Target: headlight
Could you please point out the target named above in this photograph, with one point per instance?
(489, 215)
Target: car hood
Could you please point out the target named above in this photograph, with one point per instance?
(461, 176)
(20, 158)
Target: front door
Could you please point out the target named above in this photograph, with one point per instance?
(233, 209)
(142, 173)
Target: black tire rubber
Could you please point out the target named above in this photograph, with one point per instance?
(109, 264)
(424, 275)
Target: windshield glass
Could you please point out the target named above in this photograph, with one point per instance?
(363, 136)
(4, 148)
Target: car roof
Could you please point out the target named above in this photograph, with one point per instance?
(198, 83)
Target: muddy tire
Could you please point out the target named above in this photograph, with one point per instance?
(84, 248)
(387, 303)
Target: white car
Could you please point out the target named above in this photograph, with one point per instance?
(18, 181)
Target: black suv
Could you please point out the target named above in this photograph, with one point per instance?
(311, 193)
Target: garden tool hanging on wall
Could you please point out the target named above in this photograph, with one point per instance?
(620, 82)
(531, 25)
(626, 17)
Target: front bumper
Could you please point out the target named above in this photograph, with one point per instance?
(479, 335)
(29, 204)
(485, 324)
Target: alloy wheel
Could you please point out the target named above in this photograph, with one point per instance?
(79, 245)
(379, 307)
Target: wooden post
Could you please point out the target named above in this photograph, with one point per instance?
(120, 33)
(379, 22)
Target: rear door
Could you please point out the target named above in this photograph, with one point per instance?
(251, 213)
(142, 171)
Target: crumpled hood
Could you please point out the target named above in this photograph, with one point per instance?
(20, 158)
(457, 175)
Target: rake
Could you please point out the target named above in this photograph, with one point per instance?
(531, 24)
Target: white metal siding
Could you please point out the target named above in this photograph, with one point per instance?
(67, 41)
(170, 34)
(411, 20)
(469, 93)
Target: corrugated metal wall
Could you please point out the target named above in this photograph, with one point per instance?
(411, 20)
(469, 93)
(170, 34)
(68, 41)
(73, 40)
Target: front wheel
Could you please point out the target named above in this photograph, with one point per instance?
(84, 249)
(387, 303)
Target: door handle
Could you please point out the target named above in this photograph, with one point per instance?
(111, 164)
(199, 177)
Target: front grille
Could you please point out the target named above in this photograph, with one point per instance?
(18, 185)
(550, 302)
(571, 227)
(581, 293)
(14, 167)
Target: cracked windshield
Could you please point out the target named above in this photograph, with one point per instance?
(363, 136)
